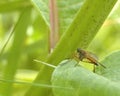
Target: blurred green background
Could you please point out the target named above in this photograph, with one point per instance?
(108, 38)
(36, 44)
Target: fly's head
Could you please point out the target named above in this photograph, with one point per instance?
(80, 54)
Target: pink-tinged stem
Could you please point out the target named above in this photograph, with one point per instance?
(53, 24)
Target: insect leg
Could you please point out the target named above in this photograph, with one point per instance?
(102, 65)
(94, 68)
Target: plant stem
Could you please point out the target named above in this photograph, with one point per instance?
(54, 35)
(84, 27)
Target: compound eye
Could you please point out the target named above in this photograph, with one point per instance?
(78, 50)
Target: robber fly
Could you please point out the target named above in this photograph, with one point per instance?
(82, 54)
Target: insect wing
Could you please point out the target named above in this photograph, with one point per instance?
(93, 56)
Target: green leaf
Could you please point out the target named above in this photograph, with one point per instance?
(86, 83)
(112, 63)
(70, 7)
(79, 34)
(42, 7)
